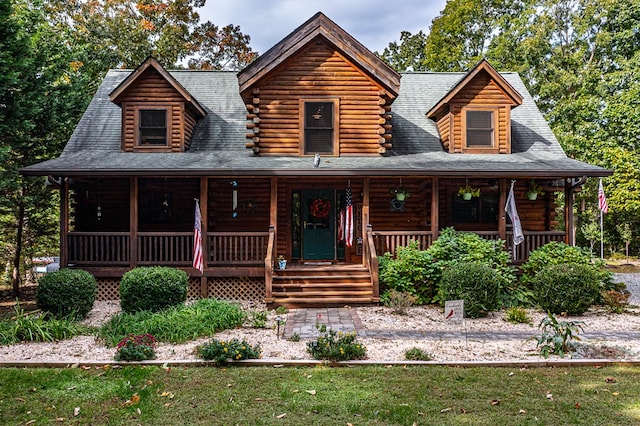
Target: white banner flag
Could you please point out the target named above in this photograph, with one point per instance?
(511, 210)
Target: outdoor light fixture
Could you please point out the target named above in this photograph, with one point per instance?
(234, 199)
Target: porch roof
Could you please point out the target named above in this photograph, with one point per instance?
(218, 143)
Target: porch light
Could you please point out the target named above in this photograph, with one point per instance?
(99, 213)
(234, 199)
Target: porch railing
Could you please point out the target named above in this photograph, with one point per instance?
(166, 248)
(370, 259)
(269, 260)
(98, 248)
(237, 248)
(532, 241)
(388, 241)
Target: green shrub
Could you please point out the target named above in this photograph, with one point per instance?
(475, 283)
(136, 348)
(557, 336)
(417, 354)
(615, 301)
(259, 319)
(566, 288)
(410, 272)
(222, 351)
(336, 346)
(24, 327)
(176, 325)
(66, 293)
(555, 253)
(153, 289)
(517, 315)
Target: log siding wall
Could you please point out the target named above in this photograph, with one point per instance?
(318, 71)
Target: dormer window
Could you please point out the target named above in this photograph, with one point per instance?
(153, 126)
(319, 127)
(480, 129)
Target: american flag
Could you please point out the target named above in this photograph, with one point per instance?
(197, 241)
(348, 222)
(602, 199)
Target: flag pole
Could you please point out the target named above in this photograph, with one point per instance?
(601, 237)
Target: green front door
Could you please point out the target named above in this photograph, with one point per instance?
(318, 224)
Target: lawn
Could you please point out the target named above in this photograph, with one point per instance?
(321, 395)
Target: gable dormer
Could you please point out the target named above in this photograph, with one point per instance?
(474, 117)
(158, 113)
(318, 91)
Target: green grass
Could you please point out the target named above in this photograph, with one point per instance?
(322, 395)
(176, 325)
(37, 327)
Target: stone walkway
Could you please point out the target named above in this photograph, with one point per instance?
(304, 321)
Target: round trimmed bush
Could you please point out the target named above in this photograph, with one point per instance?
(474, 282)
(66, 293)
(152, 289)
(566, 288)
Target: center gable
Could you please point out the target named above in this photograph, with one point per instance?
(318, 92)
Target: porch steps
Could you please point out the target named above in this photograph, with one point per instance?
(322, 285)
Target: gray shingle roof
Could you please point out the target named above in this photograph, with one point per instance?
(218, 144)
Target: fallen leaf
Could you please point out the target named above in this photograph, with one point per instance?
(309, 376)
(71, 388)
(138, 411)
(521, 411)
(462, 410)
(281, 416)
(229, 385)
(169, 395)
(495, 402)
(444, 410)
(258, 399)
(21, 400)
(511, 374)
(610, 380)
(168, 404)
(311, 392)
(30, 422)
(86, 367)
(550, 396)
(615, 393)
(76, 412)
(60, 419)
(577, 406)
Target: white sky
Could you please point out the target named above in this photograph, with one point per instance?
(374, 23)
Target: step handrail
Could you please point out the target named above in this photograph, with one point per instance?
(371, 260)
(268, 265)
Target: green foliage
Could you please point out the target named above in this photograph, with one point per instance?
(24, 327)
(410, 272)
(139, 347)
(281, 310)
(475, 283)
(398, 301)
(66, 293)
(335, 345)
(566, 288)
(176, 325)
(517, 315)
(295, 337)
(258, 319)
(222, 351)
(557, 336)
(153, 289)
(417, 354)
(555, 253)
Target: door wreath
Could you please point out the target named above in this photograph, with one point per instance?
(320, 208)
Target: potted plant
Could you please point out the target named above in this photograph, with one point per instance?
(534, 191)
(400, 193)
(282, 262)
(467, 192)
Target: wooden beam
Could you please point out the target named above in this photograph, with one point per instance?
(64, 223)
(435, 208)
(204, 210)
(133, 221)
(502, 217)
(568, 213)
(366, 187)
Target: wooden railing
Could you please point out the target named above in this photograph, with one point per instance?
(269, 260)
(98, 248)
(370, 258)
(237, 248)
(388, 241)
(165, 248)
(532, 241)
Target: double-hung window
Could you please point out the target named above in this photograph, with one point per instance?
(319, 118)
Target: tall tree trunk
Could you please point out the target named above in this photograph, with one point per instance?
(18, 253)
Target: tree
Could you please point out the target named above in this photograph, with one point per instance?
(41, 100)
(409, 55)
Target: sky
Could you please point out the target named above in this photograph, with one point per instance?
(374, 23)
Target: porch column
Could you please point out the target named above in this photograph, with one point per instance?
(64, 223)
(568, 213)
(204, 209)
(502, 217)
(435, 208)
(273, 212)
(366, 185)
(133, 221)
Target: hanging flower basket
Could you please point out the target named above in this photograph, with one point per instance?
(320, 208)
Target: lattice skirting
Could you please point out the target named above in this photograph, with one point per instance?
(226, 288)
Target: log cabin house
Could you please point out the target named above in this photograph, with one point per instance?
(394, 149)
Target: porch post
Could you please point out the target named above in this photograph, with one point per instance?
(435, 209)
(64, 223)
(502, 218)
(568, 212)
(273, 213)
(133, 221)
(366, 185)
(204, 209)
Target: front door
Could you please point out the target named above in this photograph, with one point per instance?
(318, 224)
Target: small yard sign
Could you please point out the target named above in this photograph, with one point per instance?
(454, 311)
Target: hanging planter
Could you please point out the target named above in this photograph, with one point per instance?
(468, 192)
(534, 191)
(401, 194)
